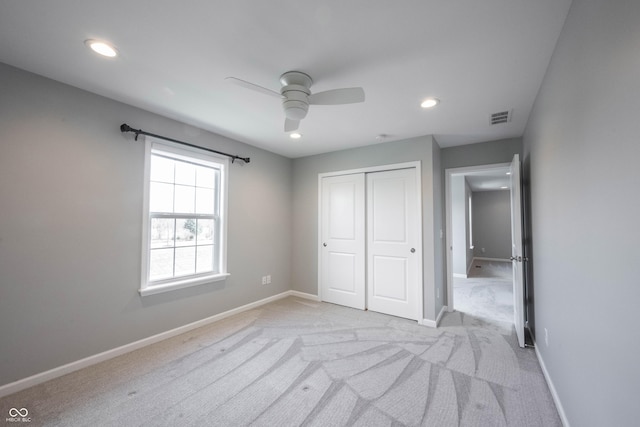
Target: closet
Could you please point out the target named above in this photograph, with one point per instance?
(370, 232)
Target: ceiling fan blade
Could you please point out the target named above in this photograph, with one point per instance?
(350, 95)
(290, 125)
(253, 86)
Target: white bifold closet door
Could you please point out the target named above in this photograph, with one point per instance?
(370, 254)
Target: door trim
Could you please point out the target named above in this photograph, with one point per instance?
(380, 168)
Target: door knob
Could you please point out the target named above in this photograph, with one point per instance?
(324, 244)
(413, 250)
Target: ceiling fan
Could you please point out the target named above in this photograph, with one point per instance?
(296, 96)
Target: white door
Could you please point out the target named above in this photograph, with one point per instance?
(342, 264)
(394, 244)
(516, 249)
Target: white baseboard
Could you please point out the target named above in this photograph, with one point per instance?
(36, 379)
(443, 310)
(480, 258)
(304, 295)
(552, 389)
(434, 323)
(470, 266)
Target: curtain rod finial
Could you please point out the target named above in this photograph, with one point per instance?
(126, 128)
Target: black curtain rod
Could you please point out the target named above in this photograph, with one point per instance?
(126, 128)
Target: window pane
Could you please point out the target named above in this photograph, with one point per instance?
(205, 232)
(205, 177)
(185, 199)
(161, 169)
(186, 231)
(205, 200)
(161, 197)
(162, 232)
(185, 261)
(185, 173)
(204, 261)
(161, 264)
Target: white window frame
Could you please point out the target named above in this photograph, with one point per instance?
(148, 287)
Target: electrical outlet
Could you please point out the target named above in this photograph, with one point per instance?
(268, 279)
(546, 337)
(438, 293)
(264, 280)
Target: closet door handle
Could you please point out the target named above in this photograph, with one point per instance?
(413, 250)
(324, 244)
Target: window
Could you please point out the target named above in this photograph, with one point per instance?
(184, 218)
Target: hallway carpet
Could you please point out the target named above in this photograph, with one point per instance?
(295, 362)
(487, 292)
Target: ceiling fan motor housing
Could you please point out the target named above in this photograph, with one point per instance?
(295, 92)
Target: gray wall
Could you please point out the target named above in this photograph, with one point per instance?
(460, 224)
(483, 153)
(70, 227)
(581, 151)
(439, 261)
(305, 206)
(491, 216)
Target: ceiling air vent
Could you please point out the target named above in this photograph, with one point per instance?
(501, 117)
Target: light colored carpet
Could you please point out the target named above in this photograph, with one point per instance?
(487, 292)
(296, 362)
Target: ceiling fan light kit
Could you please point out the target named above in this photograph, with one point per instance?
(296, 96)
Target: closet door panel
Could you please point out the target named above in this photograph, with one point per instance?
(393, 252)
(342, 250)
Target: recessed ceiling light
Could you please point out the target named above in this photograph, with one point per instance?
(295, 135)
(503, 188)
(430, 102)
(103, 48)
(508, 173)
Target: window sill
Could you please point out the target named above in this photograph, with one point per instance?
(181, 284)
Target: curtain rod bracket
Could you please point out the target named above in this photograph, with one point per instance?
(126, 128)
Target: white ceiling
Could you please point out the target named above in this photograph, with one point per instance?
(489, 179)
(478, 57)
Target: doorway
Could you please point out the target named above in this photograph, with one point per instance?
(479, 235)
(370, 236)
(504, 176)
